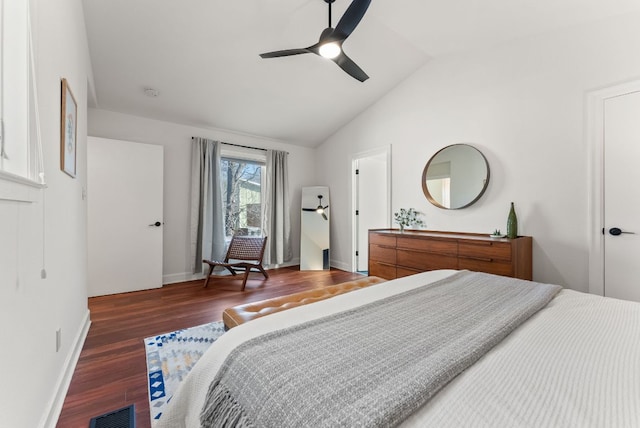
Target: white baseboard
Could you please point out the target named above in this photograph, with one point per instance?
(50, 419)
(293, 262)
(340, 265)
(180, 277)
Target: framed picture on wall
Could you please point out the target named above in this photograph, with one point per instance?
(68, 130)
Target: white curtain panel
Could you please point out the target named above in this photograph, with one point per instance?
(207, 217)
(277, 217)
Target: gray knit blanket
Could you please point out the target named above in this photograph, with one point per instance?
(374, 365)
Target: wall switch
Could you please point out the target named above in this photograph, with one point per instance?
(43, 273)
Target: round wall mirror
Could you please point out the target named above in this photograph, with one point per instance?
(455, 177)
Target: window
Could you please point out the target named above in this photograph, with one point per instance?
(20, 149)
(242, 186)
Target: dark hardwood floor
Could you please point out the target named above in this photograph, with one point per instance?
(111, 372)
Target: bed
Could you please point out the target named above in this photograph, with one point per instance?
(573, 363)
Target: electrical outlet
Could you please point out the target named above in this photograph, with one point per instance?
(58, 339)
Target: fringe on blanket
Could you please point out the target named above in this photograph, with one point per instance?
(221, 410)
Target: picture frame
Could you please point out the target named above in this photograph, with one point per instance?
(68, 130)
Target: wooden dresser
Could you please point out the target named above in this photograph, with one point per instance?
(394, 254)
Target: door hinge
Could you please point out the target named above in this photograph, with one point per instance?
(357, 253)
(357, 212)
(357, 171)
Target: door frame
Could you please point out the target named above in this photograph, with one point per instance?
(386, 151)
(595, 172)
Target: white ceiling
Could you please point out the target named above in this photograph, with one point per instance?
(202, 55)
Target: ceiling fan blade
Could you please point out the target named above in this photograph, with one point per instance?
(286, 52)
(324, 208)
(347, 64)
(309, 209)
(350, 19)
(324, 216)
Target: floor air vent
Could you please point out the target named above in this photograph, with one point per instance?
(123, 418)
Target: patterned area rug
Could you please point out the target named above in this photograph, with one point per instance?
(171, 356)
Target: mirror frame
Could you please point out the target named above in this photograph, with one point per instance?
(430, 198)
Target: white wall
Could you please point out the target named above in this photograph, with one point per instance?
(176, 140)
(49, 233)
(523, 105)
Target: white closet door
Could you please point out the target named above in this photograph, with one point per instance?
(125, 196)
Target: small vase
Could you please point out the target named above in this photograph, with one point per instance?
(512, 223)
(401, 228)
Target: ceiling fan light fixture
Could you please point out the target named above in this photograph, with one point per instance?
(319, 209)
(330, 50)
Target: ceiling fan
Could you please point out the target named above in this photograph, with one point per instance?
(331, 40)
(319, 209)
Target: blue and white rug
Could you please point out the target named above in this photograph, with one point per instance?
(171, 356)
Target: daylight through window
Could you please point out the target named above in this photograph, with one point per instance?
(242, 196)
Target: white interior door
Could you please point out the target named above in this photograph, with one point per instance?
(125, 218)
(622, 197)
(371, 200)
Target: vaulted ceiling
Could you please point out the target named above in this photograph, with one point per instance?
(202, 55)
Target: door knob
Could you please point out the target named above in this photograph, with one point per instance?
(615, 231)
(156, 224)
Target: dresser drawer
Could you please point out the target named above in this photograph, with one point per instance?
(380, 239)
(382, 254)
(402, 272)
(382, 270)
(494, 267)
(439, 246)
(485, 250)
(425, 261)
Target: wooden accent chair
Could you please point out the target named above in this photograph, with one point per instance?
(244, 253)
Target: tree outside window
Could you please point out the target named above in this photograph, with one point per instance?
(241, 193)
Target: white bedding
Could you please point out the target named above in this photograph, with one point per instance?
(576, 363)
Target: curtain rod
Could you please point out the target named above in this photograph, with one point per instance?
(240, 145)
(245, 147)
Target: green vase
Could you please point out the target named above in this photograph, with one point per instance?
(512, 223)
